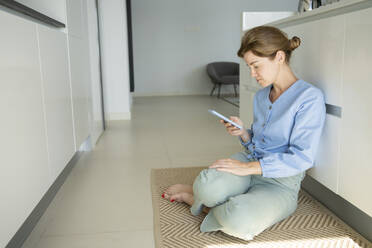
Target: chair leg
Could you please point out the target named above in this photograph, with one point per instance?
(236, 94)
(214, 87)
(219, 90)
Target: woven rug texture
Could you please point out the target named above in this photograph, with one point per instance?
(312, 224)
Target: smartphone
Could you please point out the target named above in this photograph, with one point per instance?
(224, 118)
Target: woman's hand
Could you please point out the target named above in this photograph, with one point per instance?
(234, 131)
(237, 167)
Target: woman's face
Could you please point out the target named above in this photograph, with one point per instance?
(263, 69)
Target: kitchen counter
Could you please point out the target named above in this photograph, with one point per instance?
(334, 9)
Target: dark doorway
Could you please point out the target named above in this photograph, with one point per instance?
(130, 45)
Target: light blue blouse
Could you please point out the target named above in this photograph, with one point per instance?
(285, 134)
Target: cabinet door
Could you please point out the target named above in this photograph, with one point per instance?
(79, 66)
(24, 173)
(326, 165)
(356, 139)
(318, 60)
(57, 98)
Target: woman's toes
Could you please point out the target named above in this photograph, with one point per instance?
(176, 197)
(167, 192)
(176, 191)
(165, 196)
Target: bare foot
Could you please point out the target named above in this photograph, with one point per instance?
(179, 193)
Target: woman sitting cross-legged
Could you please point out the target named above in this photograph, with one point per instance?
(258, 187)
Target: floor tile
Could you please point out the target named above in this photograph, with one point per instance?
(106, 199)
(141, 238)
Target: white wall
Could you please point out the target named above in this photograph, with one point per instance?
(114, 58)
(174, 40)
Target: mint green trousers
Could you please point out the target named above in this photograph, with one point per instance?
(243, 206)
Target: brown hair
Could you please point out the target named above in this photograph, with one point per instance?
(266, 41)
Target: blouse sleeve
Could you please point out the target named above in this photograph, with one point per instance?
(303, 142)
(246, 144)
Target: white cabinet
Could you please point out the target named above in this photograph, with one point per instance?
(57, 98)
(79, 69)
(326, 165)
(335, 55)
(319, 61)
(24, 173)
(44, 100)
(319, 58)
(79, 87)
(356, 134)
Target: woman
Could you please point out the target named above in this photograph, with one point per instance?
(256, 188)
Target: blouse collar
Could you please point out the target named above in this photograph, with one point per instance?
(281, 95)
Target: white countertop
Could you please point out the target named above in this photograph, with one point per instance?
(337, 8)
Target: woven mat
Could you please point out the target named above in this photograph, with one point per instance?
(312, 225)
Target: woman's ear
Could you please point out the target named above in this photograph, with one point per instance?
(280, 57)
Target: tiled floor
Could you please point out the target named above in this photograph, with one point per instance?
(105, 201)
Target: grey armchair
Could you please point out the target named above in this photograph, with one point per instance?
(223, 73)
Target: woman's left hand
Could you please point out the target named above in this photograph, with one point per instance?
(233, 166)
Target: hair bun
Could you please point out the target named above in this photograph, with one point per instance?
(294, 43)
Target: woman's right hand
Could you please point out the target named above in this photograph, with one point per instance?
(234, 131)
